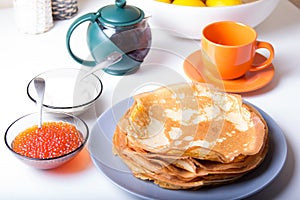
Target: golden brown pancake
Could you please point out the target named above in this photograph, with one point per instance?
(187, 136)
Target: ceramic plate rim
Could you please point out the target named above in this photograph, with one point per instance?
(236, 190)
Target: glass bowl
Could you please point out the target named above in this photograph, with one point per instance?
(31, 120)
(67, 90)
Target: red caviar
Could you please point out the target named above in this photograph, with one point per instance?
(53, 139)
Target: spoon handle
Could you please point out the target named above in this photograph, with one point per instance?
(111, 59)
(39, 84)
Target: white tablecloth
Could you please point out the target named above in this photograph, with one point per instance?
(24, 56)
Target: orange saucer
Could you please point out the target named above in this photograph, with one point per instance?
(251, 81)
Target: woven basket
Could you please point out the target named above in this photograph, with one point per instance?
(33, 16)
(64, 9)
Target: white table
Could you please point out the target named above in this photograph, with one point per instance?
(24, 56)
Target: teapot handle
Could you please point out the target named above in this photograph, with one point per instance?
(87, 17)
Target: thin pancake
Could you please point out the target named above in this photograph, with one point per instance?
(190, 135)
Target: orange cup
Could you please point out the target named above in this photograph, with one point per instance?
(228, 49)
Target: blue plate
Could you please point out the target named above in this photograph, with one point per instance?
(100, 147)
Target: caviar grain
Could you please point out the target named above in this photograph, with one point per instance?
(52, 140)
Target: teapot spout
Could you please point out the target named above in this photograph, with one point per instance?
(144, 22)
(146, 18)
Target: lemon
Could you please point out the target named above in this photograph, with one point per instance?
(165, 1)
(213, 3)
(189, 2)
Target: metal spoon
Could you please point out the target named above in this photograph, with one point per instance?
(39, 84)
(111, 59)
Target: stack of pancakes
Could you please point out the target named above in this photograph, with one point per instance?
(186, 136)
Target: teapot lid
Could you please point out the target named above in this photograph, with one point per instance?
(120, 14)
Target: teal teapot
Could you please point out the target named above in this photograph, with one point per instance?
(115, 28)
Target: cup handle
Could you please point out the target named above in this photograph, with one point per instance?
(268, 61)
(87, 17)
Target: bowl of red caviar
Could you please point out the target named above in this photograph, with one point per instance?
(60, 138)
(67, 90)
